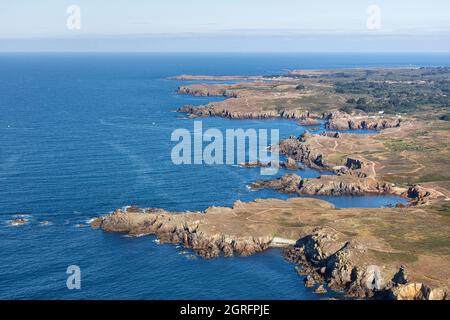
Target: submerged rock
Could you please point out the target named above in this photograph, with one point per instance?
(309, 281)
(320, 290)
(19, 221)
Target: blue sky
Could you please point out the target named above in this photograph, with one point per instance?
(237, 25)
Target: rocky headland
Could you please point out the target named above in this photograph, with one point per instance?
(214, 110)
(273, 99)
(346, 266)
(189, 77)
(190, 229)
(356, 170)
(326, 185)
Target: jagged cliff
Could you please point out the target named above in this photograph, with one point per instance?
(187, 229)
(244, 103)
(328, 257)
(211, 111)
(199, 91)
(355, 174)
(215, 110)
(324, 185)
(297, 149)
(343, 121)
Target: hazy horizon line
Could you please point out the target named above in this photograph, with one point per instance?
(235, 52)
(275, 42)
(444, 31)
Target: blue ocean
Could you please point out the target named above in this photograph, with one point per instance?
(84, 134)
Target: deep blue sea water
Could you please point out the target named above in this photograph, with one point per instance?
(81, 135)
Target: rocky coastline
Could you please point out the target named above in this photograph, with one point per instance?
(326, 185)
(211, 110)
(335, 120)
(378, 253)
(355, 175)
(181, 228)
(343, 266)
(327, 256)
(289, 164)
(343, 121)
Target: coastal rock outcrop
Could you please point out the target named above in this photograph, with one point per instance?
(18, 221)
(320, 290)
(186, 228)
(199, 91)
(422, 195)
(342, 264)
(217, 110)
(237, 105)
(288, 183)
(324, 185)
(309, 281)
(297, 149)
(355, 174)
(417, 291)
(341, 261)
(336, 247)
(289, 164)
(190, 77)
(211, 110)
(343, 121)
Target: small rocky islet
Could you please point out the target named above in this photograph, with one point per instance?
(18, 221)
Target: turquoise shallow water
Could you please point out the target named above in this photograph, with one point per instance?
(81, 135)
